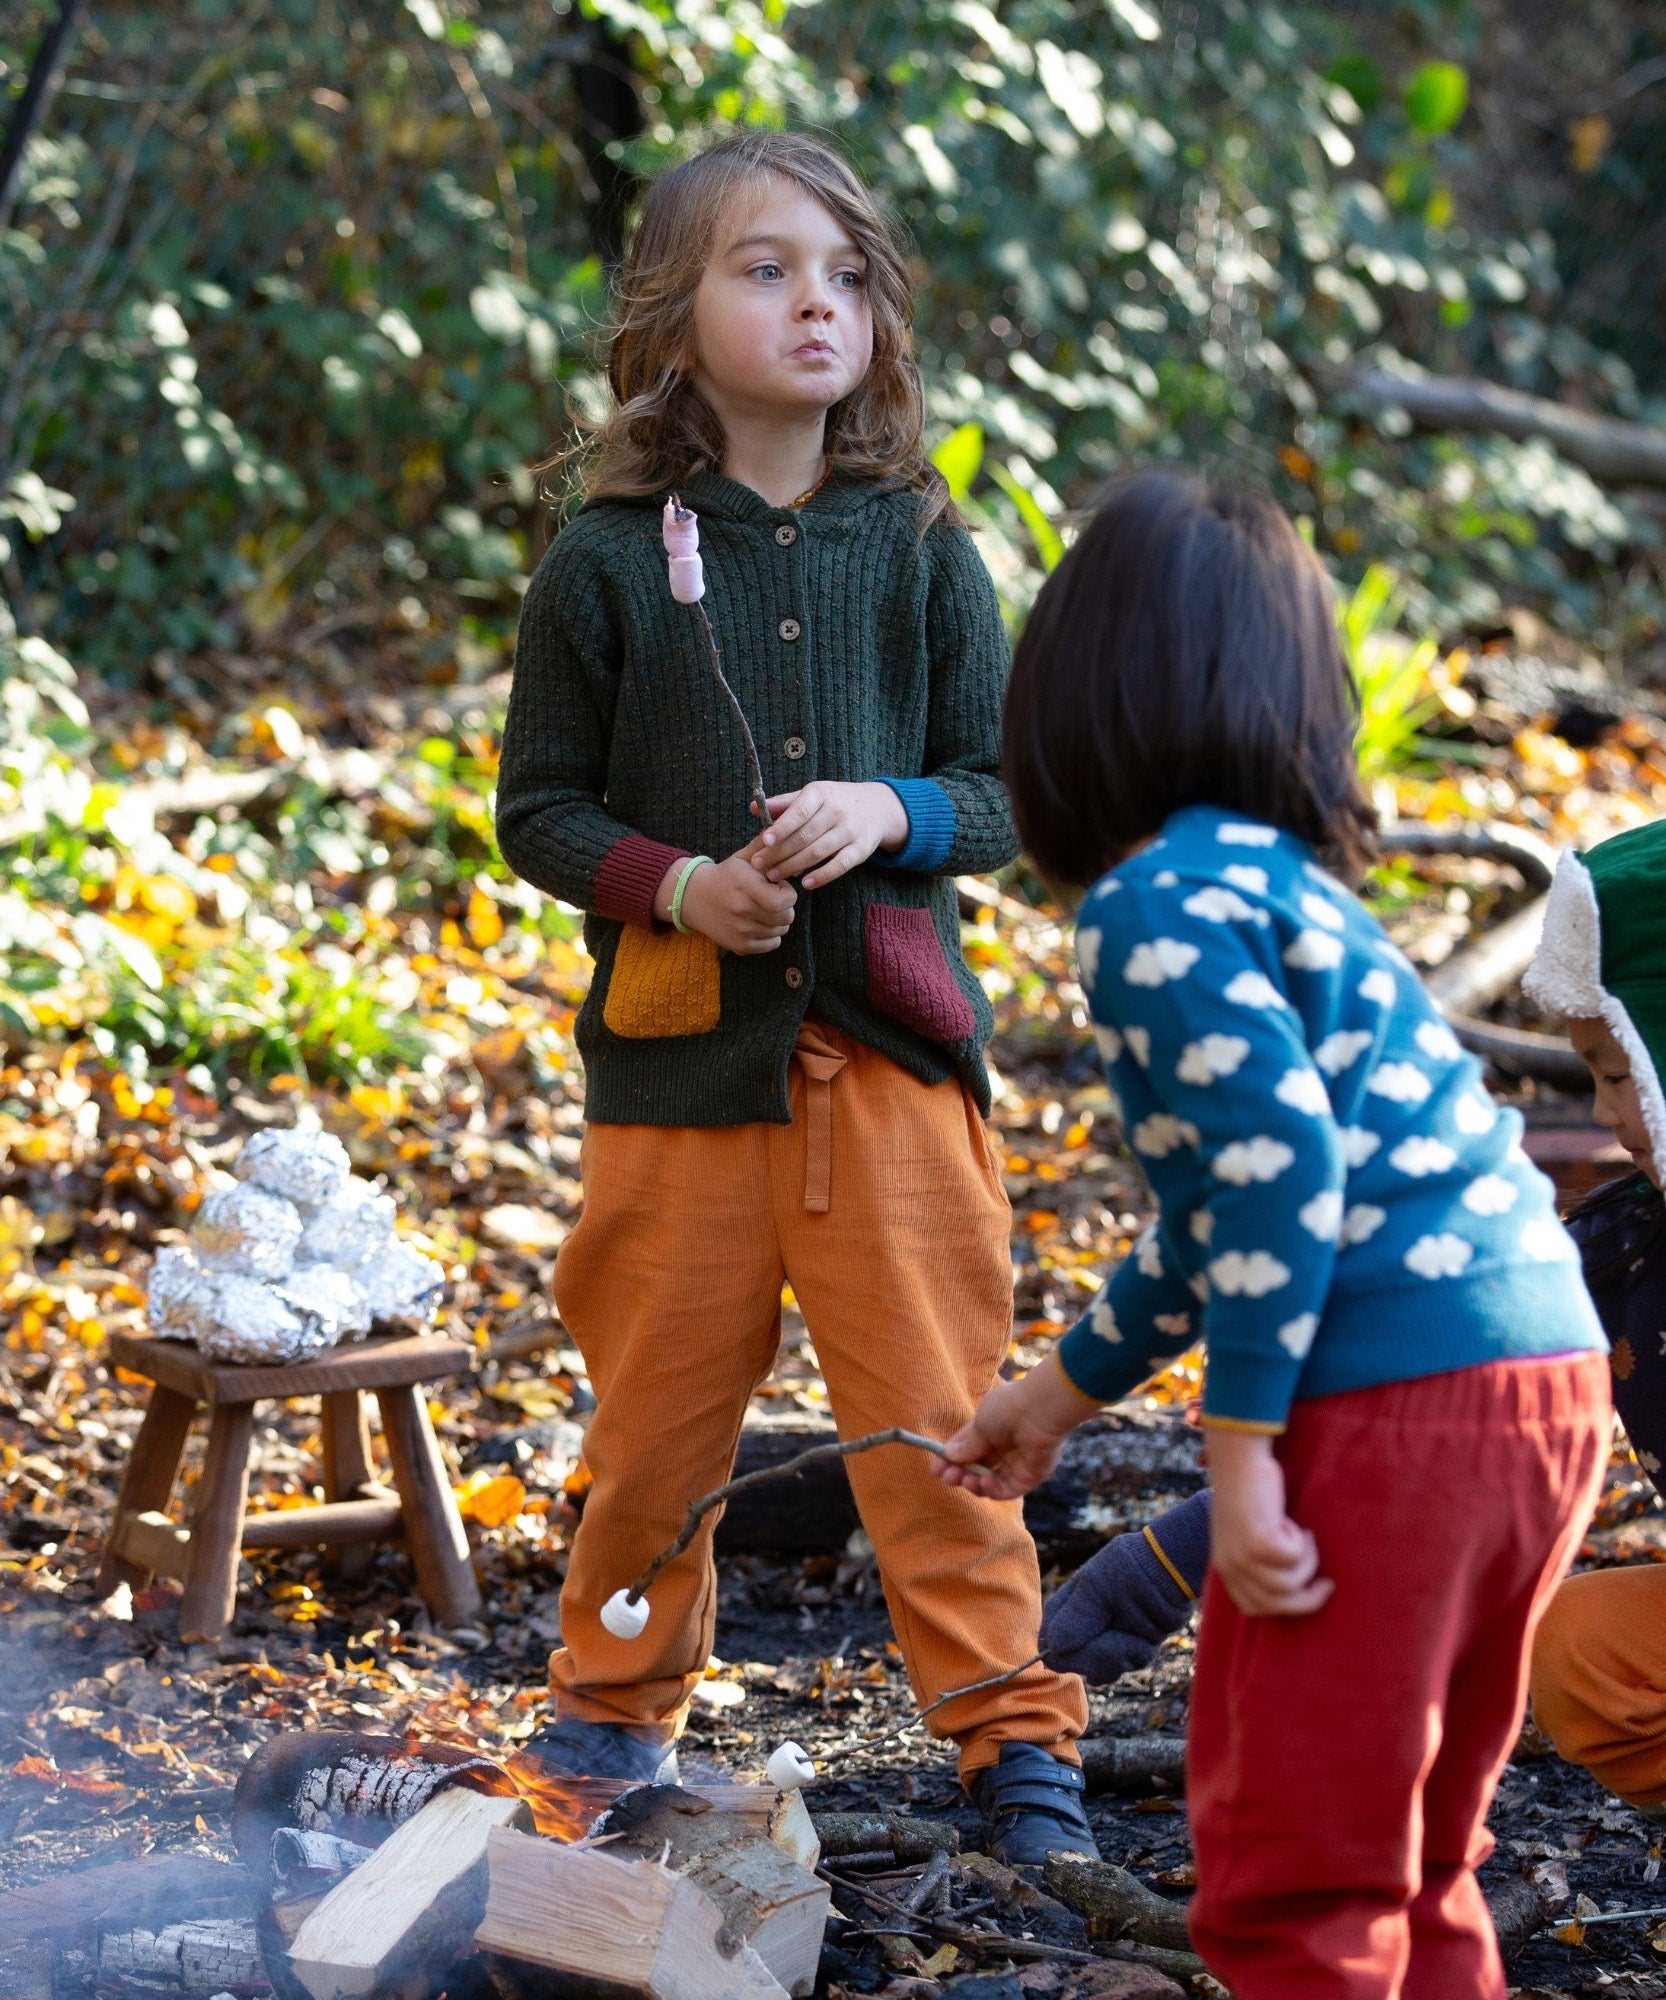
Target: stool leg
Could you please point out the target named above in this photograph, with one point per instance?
(433, 1527)
(345, 1426)
(148, 1480)
(217, 1525)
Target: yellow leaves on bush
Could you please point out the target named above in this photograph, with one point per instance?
(167, 896)
(485, 919)
(492, 1499)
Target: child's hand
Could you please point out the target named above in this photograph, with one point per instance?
(736, 907)
(1269, 1565)
(1014, 1434)
(829, 828)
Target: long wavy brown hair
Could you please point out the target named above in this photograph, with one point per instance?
(661, 430)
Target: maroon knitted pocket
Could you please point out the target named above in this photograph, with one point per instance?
(909, 976)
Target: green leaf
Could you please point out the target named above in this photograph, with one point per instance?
(958, 458)
(1436, 98)
(1360, 77)
(1049, 545)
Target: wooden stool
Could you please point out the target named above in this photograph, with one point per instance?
(143, 1541)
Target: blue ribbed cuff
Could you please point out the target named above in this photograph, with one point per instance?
(931, 825)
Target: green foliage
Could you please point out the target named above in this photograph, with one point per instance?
(1397, 697)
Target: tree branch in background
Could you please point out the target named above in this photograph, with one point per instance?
(1608, 448)
(45, 74)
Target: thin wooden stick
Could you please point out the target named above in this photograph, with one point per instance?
(754, 769)
(931, 1708)
(699, 1509)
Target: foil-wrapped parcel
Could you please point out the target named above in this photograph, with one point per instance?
(298, 1254)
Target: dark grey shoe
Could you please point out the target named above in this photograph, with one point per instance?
(604, 1750)
(1031, 1803)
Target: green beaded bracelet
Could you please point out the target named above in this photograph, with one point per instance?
(694, 861)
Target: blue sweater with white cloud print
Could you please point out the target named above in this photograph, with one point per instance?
(1340, 1203)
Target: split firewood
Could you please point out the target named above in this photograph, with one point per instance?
(603, 1924)
(410, 1909)
(907, 1839)
(1116, 1904)
(1134, 1764)
(780, 1815)
(189, 1961)
(768, 1901)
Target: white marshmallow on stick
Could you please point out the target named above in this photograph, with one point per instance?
(624, 1617)
(789, 1768)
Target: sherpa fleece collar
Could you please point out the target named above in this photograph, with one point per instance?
(1603, 955)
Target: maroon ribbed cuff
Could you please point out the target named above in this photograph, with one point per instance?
(632, 869)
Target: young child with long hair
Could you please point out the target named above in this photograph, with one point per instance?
(782, 1044)
(1406, 1397)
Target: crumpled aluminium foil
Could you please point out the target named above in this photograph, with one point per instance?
(301, 1166)
(246, 1230)
(348, 1230)
(298, 1255)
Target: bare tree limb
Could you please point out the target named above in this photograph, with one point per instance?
(1609, 448)
(45, 74)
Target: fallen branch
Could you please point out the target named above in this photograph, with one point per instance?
(1532, 858)
(908, 1840)
(1134, 1764)
(1608, 448)
(1117, 1905)
(1547, 1058)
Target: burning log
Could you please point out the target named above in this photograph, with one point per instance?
(607, 1925)
(399, 1921)
(190, 1961)
(767, 1900)
(339, 1781)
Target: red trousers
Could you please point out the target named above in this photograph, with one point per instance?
(1341, 1765)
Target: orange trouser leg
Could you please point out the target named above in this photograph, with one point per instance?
(895, 1229)
(1599, 1678)
(670, 1285)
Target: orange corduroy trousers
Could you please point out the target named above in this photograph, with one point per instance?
(1599, 1680)
(882, 1205)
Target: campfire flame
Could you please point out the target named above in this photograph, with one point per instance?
(562, 1806)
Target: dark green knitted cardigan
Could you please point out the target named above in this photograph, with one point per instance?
(859, 649)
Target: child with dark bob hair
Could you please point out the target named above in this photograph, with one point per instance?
(1406, 1401)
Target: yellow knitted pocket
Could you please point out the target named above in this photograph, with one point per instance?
(663, 983)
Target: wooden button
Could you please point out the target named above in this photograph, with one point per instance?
(795, 747)
(786, 534)
(795, 978)
(789, 629)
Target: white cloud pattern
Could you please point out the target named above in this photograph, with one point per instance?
(1322, 1216)
(1491, 1194)
(1437, 1040)
(1253, 989)
(1209, 1057)
(1253, 1274)
(1362, 1221)
(1110, 1042)
(1322, 911)
(1546, 1241)
(1359, 1142)
(1295, 1336)
(1139, 1045)
(1303, 1089)
(1474, 1115)
(1088, 940)
(1202, 1225)
(1165, 878)
(1218, 906)
(1419, 1157)
(1161, 1134)
(1341, 1049)
(1148, 1255)
(1378, 985)
(1399, 1082)
(1442, 1256)
(1243, 876)
(1259, 1159)
(1176, 1325)
(1103, 1320)
(1157, 962)
(1233, 833)
(1314, 951)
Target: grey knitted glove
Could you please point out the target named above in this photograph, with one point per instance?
(1118, 1608)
